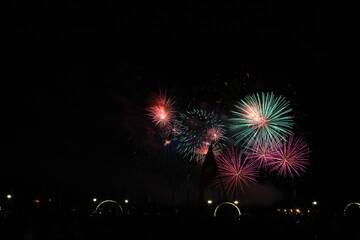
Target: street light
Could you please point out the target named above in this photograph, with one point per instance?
(8, 196)
(94, 200)
(314, 203)
(209, 202)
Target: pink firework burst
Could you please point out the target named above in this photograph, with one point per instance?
(236, 172)
(161, 111)
(291, 158)
(261, 152)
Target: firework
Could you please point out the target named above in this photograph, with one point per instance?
(215, 133)
(161, 111)
(236, 171)
(195, 130)
(264, 117)
(261, 152)
(290, 158)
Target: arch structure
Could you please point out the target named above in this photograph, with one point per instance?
(227, 203)
(352, 203)
(108, 201)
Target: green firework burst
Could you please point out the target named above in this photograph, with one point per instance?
(261, 116)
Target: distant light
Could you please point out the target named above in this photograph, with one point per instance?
(37, 201)
(94, 199)
(8, 196)
(126, 201)
(314, 203)
(209, 201)
(297, 210)
(236, 202)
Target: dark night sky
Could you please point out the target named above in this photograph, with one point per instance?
(76, 78)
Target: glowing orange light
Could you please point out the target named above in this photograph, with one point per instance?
(204, 148)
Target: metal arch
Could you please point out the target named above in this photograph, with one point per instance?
(230, 203)
(109, 201)
(352, 203)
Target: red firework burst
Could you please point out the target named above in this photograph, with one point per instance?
(162, 112)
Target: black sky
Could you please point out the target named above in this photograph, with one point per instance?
(76, 77)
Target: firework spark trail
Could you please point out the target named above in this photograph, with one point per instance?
(290, 158)
(236, 171)
(262, 117)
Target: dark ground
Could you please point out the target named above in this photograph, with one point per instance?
(181, 224)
